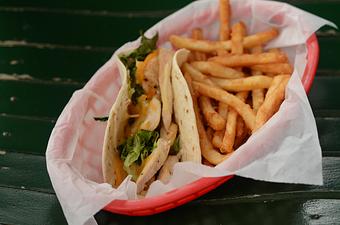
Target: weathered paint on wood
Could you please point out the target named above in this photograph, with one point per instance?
(55, 65)
(34, 98)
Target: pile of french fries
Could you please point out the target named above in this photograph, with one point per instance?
(236, 85)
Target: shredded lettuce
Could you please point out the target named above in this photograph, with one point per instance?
(138, 147)
(146, 47)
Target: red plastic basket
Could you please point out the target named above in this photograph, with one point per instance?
(196, 189)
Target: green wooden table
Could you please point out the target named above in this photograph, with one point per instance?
(49, 49)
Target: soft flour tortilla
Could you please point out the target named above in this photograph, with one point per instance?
(112, 165)
(184, 111)
(184, 114)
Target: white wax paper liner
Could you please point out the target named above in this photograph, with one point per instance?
(286, 149)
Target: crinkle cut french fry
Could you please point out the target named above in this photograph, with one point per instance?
(277, 68)
(272, 103)
(250, 59)
(197, 34)
(238, 32)
(243, 84)
(224, 8)
(217, 70)
(212, 46)
(217, 138)
(213, 119)
(257, 94)
(223, 96)
(230, 130)
(207, 150)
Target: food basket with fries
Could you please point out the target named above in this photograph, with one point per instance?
(242, 70)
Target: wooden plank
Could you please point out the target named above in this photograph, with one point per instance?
(238, 193)
(24, 171)
(29, 135)
(329, 134)
(325, 93)
(329, 50)
(25, 207)
(325, 9)
(68, 29)
(17, 207)
(103, 5)
(34, 98)
(241, 189)
(56, 64)
(288, 211)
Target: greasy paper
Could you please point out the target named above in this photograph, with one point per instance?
(286, 149)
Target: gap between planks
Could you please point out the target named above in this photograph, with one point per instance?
(39, 45)
(30, 79)
(35, 118)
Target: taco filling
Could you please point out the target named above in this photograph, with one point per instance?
(143, 136)
(149, 131)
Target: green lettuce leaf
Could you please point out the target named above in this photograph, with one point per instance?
(138, 147)
(146, 47)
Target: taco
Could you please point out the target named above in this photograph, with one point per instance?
(151, 119)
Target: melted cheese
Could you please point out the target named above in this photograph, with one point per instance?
(141, 66)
